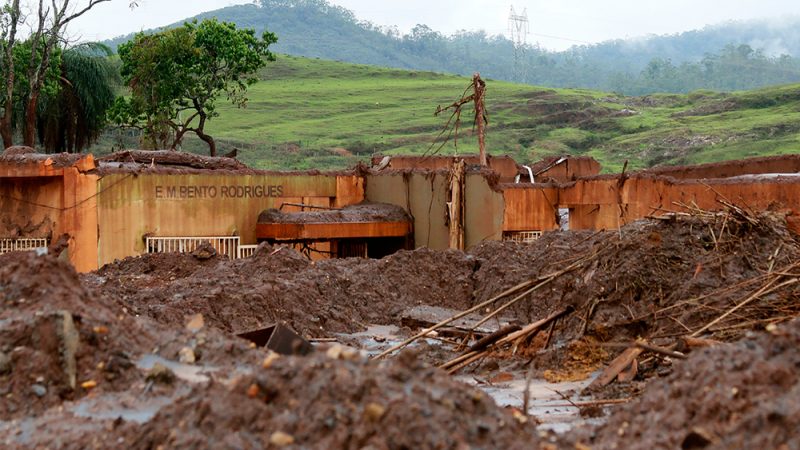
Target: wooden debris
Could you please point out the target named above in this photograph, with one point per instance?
(619, 364)
(530, 285)
(629, 373)
(690, 342)
(766, 289)
(494, 337)
(508, 336)
(659, 350)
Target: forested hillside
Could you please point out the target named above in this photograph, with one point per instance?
(724, 57)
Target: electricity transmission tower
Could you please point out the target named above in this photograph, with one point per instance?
(519, 28)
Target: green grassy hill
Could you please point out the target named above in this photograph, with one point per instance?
(309, 113)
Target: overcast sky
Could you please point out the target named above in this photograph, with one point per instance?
(554, 24)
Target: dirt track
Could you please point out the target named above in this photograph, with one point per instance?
(655, 279)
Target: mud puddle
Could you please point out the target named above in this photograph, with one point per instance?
(378, 338)
(550, 403)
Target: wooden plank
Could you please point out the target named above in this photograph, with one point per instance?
(619, 364)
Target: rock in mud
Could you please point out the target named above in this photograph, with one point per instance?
(204, 251)
(39, 390)
(55, 333)
(5, 363)
(161, 374)
(186, 355)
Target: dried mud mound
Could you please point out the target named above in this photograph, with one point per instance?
(55, 335)
(655, 278)
(279, 284)
(144, 270)
(326, 403)
(364, 212)
(744, 395)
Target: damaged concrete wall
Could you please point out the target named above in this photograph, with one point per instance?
(133, 206)
(504, 165)
(570, 169)
(30, 207)
(423, 195)
(483, 212)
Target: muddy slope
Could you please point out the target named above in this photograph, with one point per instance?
(736, 396)
(57, 335)
(320, 402)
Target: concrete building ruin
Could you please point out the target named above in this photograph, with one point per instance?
(133, 202)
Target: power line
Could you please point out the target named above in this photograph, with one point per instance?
(519, 28)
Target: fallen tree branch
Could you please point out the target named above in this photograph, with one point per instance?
(534, 326)
(467, 312)
(494, 337)
(508, 336)
(536, 283)
(766, 289)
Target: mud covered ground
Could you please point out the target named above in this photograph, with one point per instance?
(655, 279)
(142, 353)
(744, 396)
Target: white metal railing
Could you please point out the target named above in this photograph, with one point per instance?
(246, 251)
(224, 245)
(8, 245)
(524, 237)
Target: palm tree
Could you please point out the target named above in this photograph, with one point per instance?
(73, 117)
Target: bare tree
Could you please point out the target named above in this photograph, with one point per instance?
(10, 21)
(52, 18)
(52, 21)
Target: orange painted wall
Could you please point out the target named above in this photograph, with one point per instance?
(530, 208)
(41, 201)
(572, 168)
(79, 218)
(604, 203)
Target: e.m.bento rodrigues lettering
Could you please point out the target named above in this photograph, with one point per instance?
(205, 191)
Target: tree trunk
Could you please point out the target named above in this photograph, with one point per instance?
(5, 131)
(8, 109)
(29, 130)
(212, 146)
(456, 205)
(178, 138)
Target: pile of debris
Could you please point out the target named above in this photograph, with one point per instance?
(84, 372)
(656, 286)
(666, 280)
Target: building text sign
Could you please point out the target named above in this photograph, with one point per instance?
(206, 191)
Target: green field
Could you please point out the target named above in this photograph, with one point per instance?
(308, 113)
